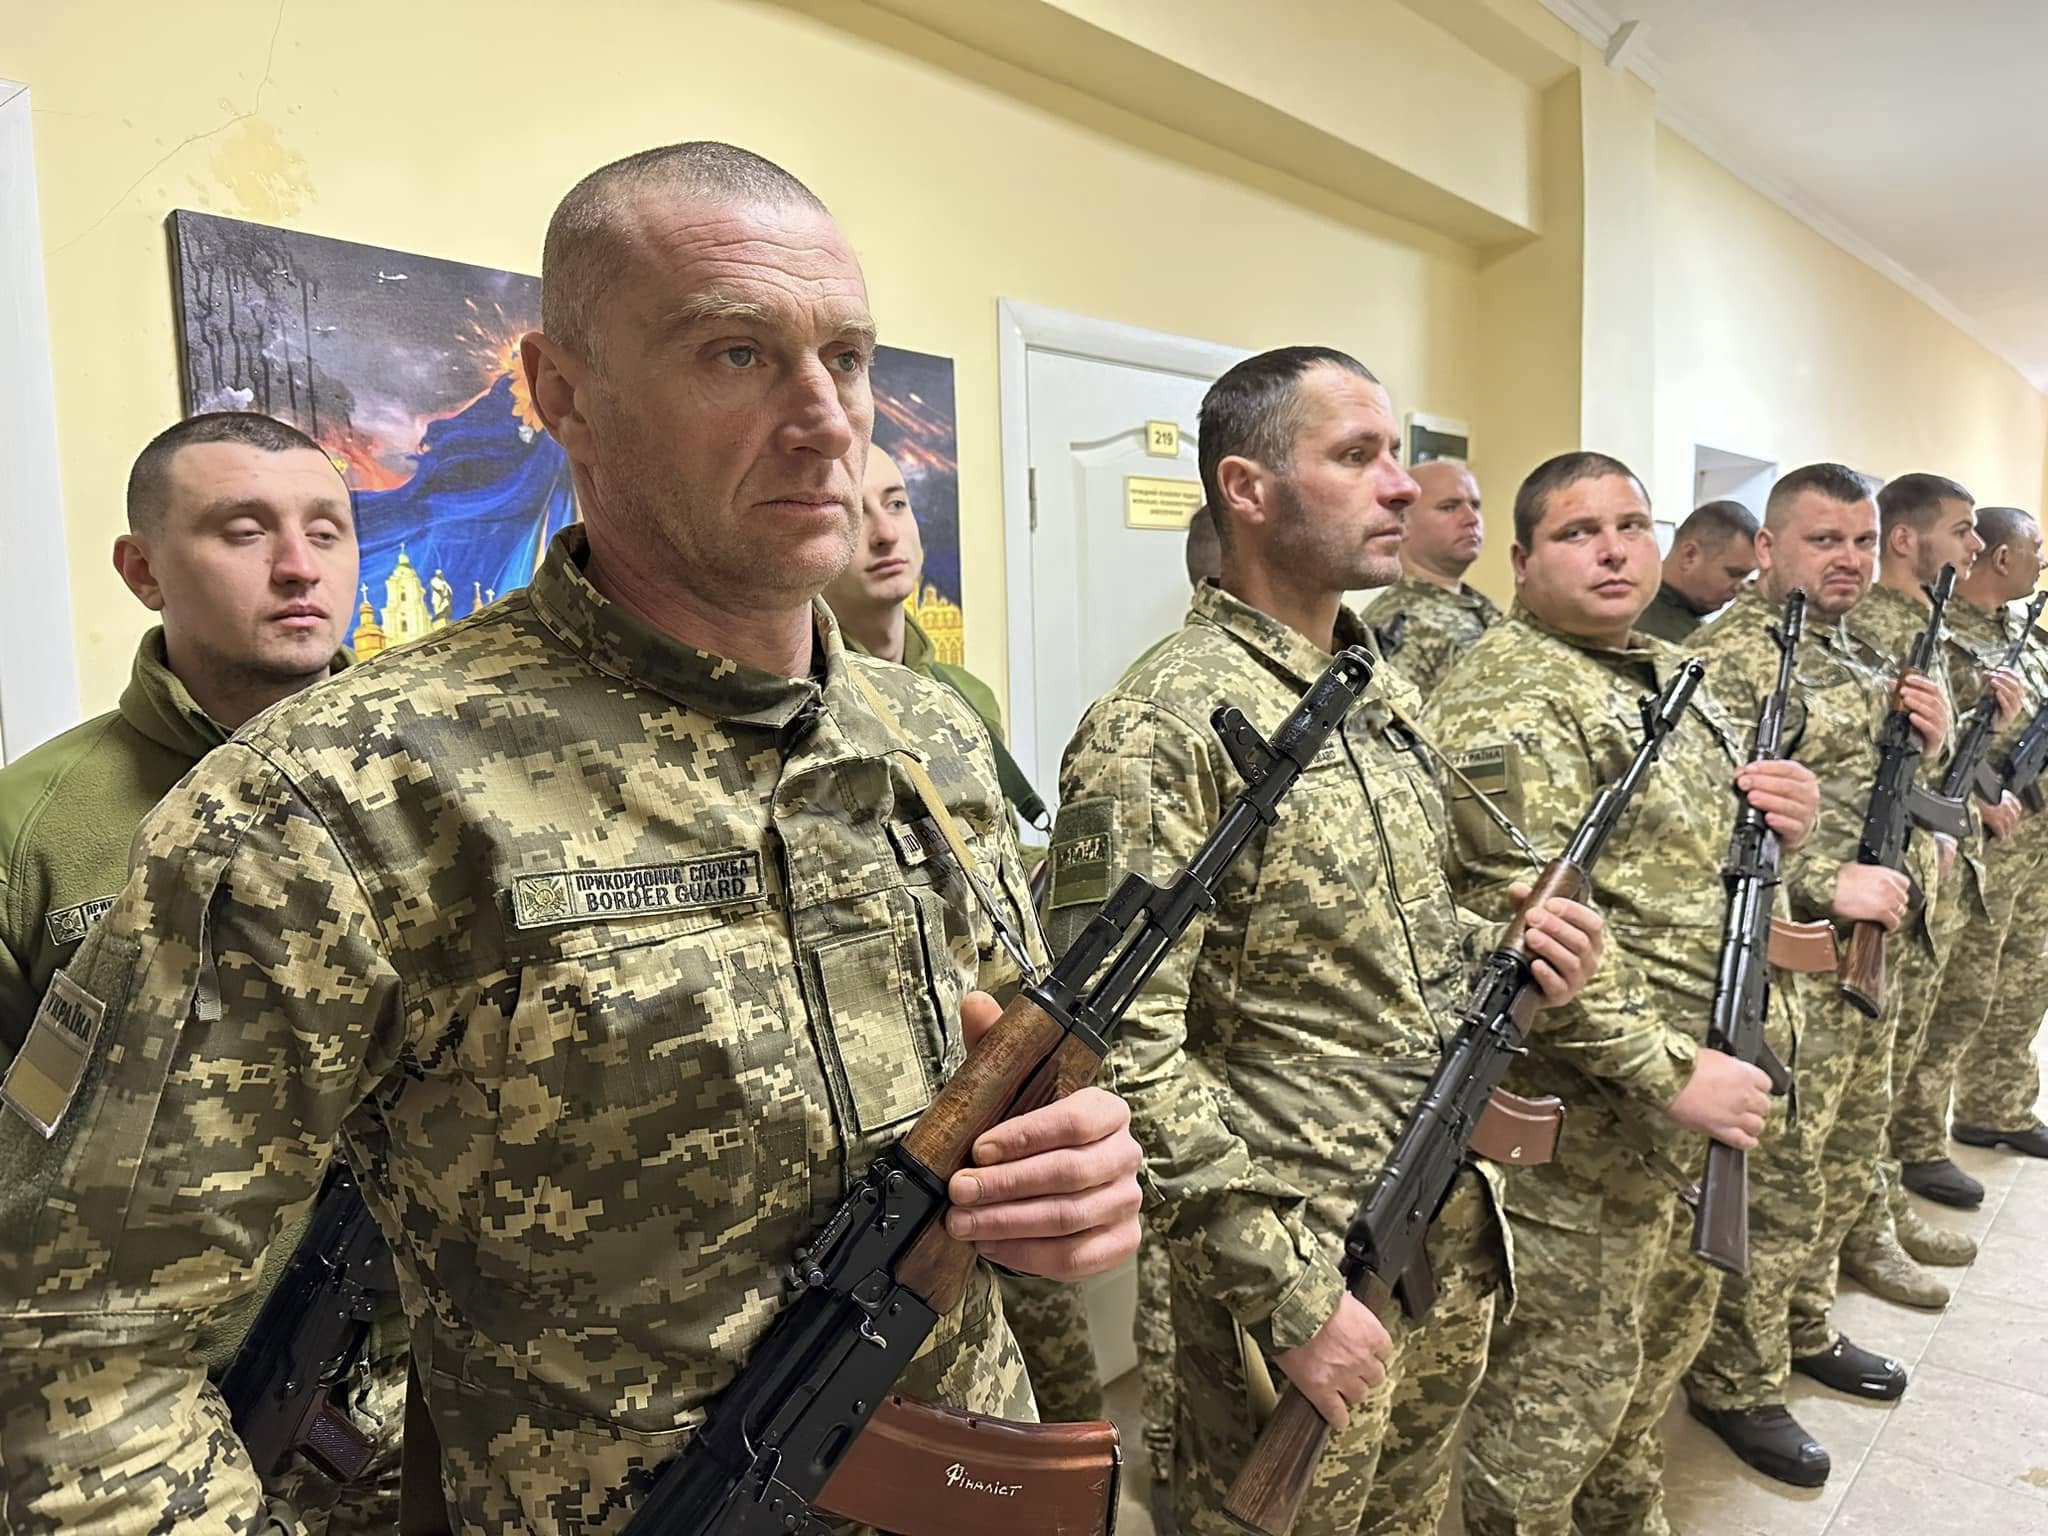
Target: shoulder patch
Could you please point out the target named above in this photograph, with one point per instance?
(68, 925)
(44, 1075)
(1083, 853)
(595, 895)
(1486, 770)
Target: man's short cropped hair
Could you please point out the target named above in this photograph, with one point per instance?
(1713, 524)
(149, 478)
(1254, 412)
(1532, 500)
(1915, 501)
(1837, 482)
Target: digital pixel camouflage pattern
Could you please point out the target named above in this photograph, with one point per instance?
(1274, 1054)
(1152, 1331)
(1813, 1174)
(1997, 1079)
(1539, 720)
(1974, 977)
(1884, 625)
(612, 961)
(1049, 1319)
(1441, 626)
(68, 812)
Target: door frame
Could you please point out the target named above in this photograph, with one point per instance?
(38, 659)
(1021, 329)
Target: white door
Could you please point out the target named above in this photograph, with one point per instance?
(1091, 587)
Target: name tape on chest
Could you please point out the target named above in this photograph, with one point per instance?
(44, 1076)
(596, 895)
(68, 925)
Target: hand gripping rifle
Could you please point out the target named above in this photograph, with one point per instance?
(1385, 1257)
(286, 1386)
(883, 1270)
(1896, 802)
(1969, 771)
(1751, 943)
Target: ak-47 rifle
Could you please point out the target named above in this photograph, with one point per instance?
(1968, 770)
(883, 1269)
(1385, 1258)
(2024, 763)
(1896, 803)
(1751, 943)
(282, 1387)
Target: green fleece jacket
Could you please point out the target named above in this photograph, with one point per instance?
(68, 812)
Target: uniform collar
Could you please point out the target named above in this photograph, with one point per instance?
(1641, 647)
(1890, 612)
(918, 651)
(1279, 645)
(157, 703)
(616, 642)
(1466, 595)
(1672, 597)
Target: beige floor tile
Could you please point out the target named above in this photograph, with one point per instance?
(1998, 1340)
(1897, 1494)
(1901, 1332)
(2008, 1266)
(1976, 1222)
(1995, 1434)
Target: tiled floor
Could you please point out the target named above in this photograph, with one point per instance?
(1964, 1452)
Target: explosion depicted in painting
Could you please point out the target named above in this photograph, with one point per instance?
(406, 369)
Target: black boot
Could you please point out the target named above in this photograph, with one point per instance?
(2033, 1141)
(1769, 1439)
(1944, 1183)
(1858, 1372)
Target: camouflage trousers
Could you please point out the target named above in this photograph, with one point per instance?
(1970, 980)
(1050, 1321)
(1998, 1081)
(1564, 1431)
(1153, 1332)
(1387, 1472)
(376, 1402)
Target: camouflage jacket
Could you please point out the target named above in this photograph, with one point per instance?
(1884, 625)
(1974, 641)
(1441, 626)
(1538, 721)
(68, 811)
(1839, 699)
(613, 961)
(1272, 1057)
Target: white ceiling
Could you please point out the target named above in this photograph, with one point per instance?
(1913, 134)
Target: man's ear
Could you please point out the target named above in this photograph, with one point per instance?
(131, 563)
(1518, 559)
(1241, 485)
(554, 375)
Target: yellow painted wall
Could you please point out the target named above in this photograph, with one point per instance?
(451, 129)
(1772, 342)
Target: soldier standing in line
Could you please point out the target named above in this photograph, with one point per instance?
(1975, 640)
(1998, 1081)
(1541, 713)
(1271, 1059)
(1926, 522)
(606, 927)
(240, 534)
(1442, 533)
(1812, 1177)
(1712, 555)
(1049, 1319)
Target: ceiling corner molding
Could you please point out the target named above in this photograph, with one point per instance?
(1598, 27)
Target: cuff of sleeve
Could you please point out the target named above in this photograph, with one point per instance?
(1663, 1069)
(1309, 1303)
(1810, 883)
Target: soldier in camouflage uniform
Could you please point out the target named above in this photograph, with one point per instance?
(612, 957)
(1270, 1060)
(1996, 1079)
(1435, 614)
(1809, 1182)
(1049, 1319)
(1541, 713)
(1975, 639)
(1926, 523)
(240, 535)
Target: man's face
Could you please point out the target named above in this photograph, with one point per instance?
(2022, 562)
(1951, 539)
(1714, 577)
(254, 565)
(1444, 531)
(726, 418)
(1342, 499)
(1828, 547)
(888, 555)
(1592, 565)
